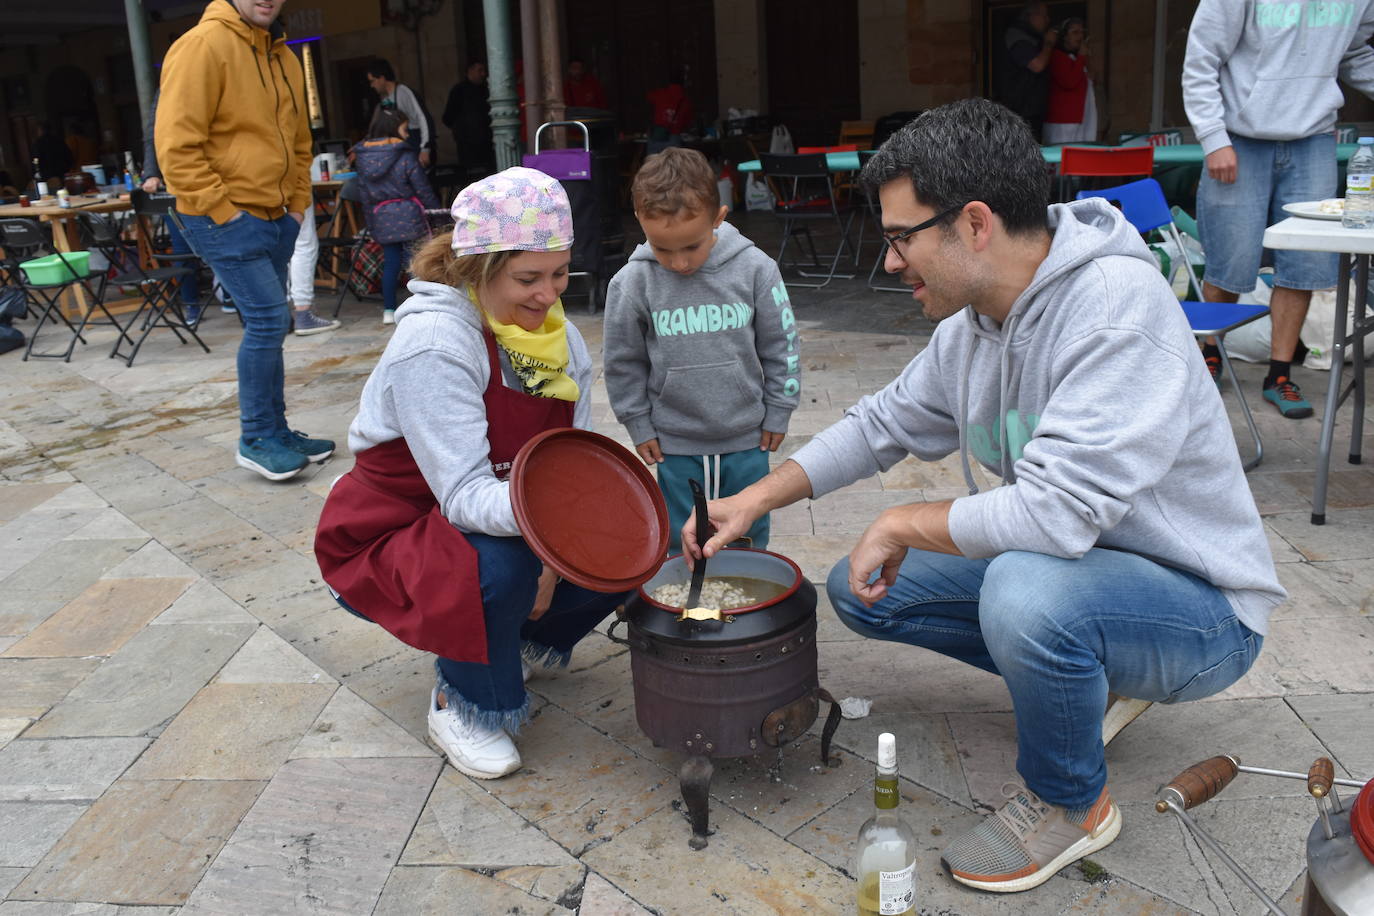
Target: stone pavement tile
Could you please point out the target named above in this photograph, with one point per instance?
(398, 683)
(936, 822)
(66, 569)
(136, 487)
(578, 786)
(745, 870)
(180, 827)
(29, 687)
(268, 659)
(11, 728)
(794, 519)
(188, 458)
(7, 641)
(852, 513)
(599, 669)
(602, 898)
(266, 572)
(561, 884)
(1166, 739)
(915, 678)
(911, 473)
(146, 683)
(29, 829)
(107, 524)
(1345, 725)
(926, 750)
(323, 837)
(234, 731)
(1298, 658)
(1119, 898)
(203, 603)
(9, 877)
(78, 496)
(279, 511)
(350, 727)
(1283, 552)
(783, 797)
(221, 545)
(22, 610)
(69, 769)
(412, 891)
(18, 498)
(152, 561)
(816, 553)
(1266, 836)
(1347, 535)
(26, 538)
(987, 746)
(1322, 590)
(1346, 487)
(464, 825)
(101, 619)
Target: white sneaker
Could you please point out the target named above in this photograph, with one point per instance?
(480, 752)
(388, 316)
(1121, 711)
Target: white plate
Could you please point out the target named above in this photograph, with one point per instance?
(1311, 209)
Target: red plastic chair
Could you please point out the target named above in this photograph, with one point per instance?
(1107, 161)
(840, 148)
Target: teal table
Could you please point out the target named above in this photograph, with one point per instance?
(1182, 154)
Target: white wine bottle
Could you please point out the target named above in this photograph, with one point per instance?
(886, 859)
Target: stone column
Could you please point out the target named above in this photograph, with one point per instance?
(505, 105)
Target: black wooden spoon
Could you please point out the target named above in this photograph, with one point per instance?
(703, 534)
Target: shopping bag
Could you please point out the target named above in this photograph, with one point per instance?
(781, 141)
(756, 193)
(366, 276)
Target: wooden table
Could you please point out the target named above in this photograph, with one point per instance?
(66, 238)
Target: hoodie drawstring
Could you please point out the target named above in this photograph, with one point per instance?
(712, 482)
(963, 417)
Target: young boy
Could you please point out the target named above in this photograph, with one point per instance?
(701, 350)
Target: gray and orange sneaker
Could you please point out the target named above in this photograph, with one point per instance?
(1287, 397)
(1023, 843)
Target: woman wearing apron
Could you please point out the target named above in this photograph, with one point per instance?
(420, 536)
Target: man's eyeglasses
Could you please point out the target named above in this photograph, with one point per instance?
(905, 234)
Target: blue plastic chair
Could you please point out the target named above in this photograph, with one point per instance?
(1142, 203)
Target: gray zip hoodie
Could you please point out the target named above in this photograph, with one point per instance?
(702, 362)
(427, 388)
(1268, 70)
(1094, 406)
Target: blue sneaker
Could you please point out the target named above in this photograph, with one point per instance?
(314, 450)
(192, 315)
(270, 457)
(1287, 397)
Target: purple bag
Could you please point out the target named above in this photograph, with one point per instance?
(564, 164)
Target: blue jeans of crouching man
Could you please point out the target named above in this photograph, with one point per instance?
(250, 256)
(1062, 633)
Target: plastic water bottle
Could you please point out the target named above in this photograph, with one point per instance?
(1359, 188)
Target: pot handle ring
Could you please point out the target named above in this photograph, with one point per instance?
(610, 632)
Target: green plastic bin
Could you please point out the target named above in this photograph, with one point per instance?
(50, 269)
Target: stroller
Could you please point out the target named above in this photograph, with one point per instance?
(598, 244)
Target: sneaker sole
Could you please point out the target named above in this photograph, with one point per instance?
(316, 459)
(463, 767)
(252, 465)
(1297, 413)
(1084, 847)
(308, 331)
(1120, 714)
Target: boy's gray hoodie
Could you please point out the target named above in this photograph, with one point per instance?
(702, 362)
(1096, 388)
(1268, 70)
(427, 388)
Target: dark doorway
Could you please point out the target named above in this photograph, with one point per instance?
(998, 14)
(355, 97)
(813, 67)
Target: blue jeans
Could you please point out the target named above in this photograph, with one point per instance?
(1232, 217)
(190, 284)
(250, 257)
(737, 471)
(1062, 633)
(494, 694)
(395, 257)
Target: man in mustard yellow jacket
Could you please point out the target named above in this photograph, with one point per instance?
(233, 141)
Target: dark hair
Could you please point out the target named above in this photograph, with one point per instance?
(1031, 7)
(386, 122)
(677, 180)
(974, 149)
(381, 68)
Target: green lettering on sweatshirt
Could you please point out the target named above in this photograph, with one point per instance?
(707, 318)
(986, 444)
(1286, 15)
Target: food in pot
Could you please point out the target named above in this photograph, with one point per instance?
(720, 592)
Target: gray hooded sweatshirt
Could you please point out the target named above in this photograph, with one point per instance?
(702, 362)
(1268, 70)
(1092, 403)
(427, 388)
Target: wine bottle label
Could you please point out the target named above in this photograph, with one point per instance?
(896, 890)
(885, 792)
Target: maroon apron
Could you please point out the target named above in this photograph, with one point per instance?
(384, 544)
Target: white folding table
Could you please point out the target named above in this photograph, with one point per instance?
(1353, 245)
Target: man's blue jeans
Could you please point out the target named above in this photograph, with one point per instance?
(1062, 633)
(250, 257)
(190, 284)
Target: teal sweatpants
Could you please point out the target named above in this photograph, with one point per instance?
(737, 470)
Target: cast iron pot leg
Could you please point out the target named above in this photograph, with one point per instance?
(832, 722)
(694, 779)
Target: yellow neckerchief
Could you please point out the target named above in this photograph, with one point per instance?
(539, 358)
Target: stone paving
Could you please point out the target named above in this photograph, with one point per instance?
(189, 723)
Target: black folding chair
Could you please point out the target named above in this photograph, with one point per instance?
(157, 286)
(156, 211)
(24, 240)
(806, 197)
(875, 216)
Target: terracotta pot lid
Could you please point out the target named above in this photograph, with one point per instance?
(589, 508)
